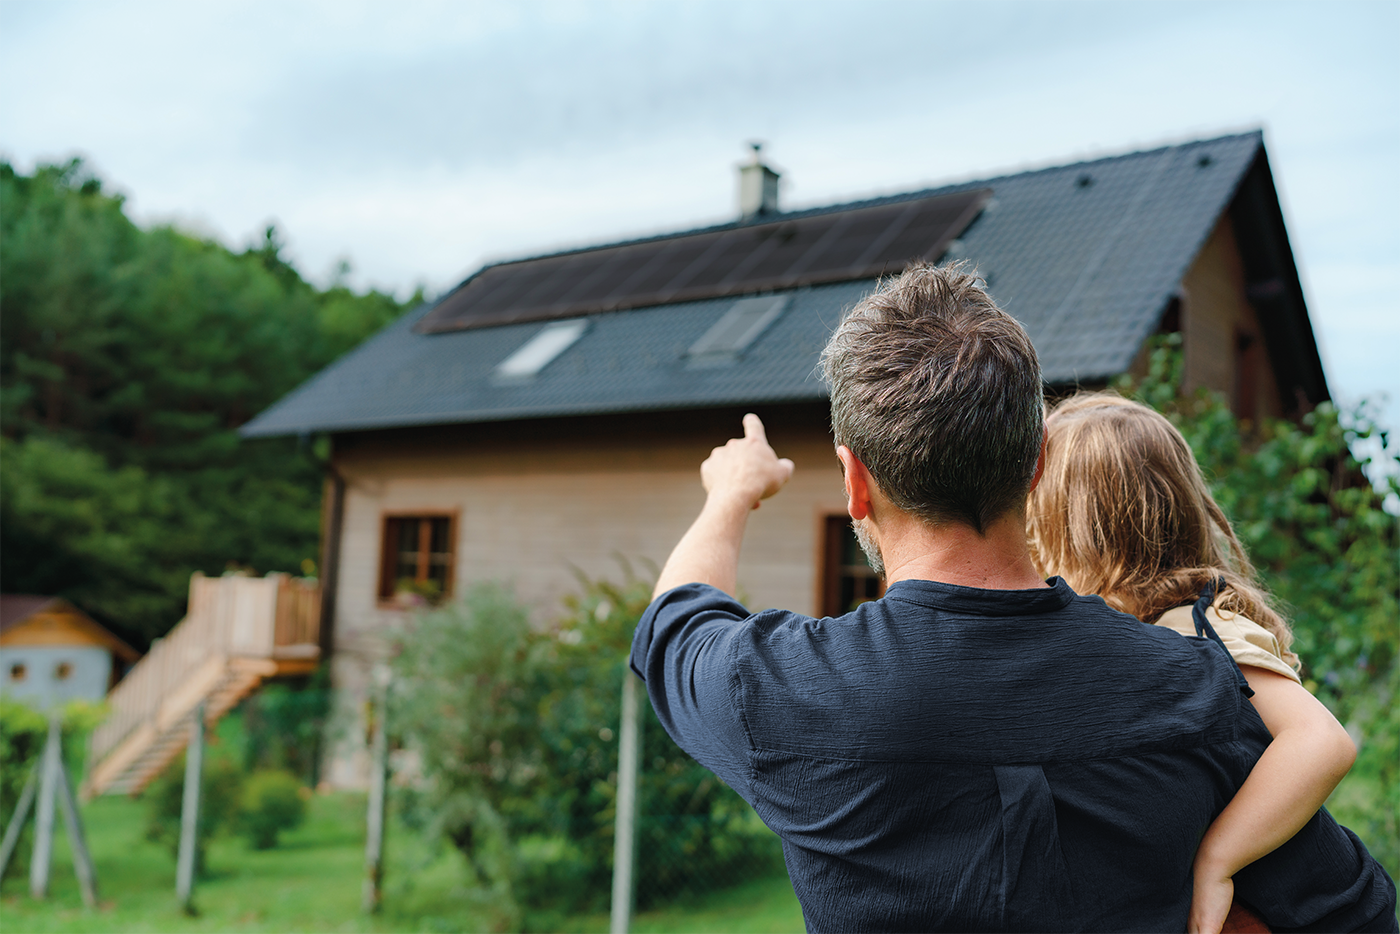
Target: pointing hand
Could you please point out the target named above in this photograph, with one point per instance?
(746, 468)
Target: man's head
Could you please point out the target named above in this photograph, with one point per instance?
(937, 391)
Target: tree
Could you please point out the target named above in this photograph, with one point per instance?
(1317, 528)
(130, 357)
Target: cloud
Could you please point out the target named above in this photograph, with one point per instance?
(422, 138)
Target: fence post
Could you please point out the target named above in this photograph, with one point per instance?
(629, 754)
(189, 814)
(379, 772)
(77, 840)
(18, 819)
(48, 793)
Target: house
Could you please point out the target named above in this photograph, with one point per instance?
(549, 414)
(51, 652)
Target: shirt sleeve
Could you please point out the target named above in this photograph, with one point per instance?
(683, 650)
(1247, 641)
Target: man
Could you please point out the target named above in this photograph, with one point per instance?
(980, 749)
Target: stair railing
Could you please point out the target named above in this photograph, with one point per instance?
(229, 616)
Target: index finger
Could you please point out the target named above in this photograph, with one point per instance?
(753, 427)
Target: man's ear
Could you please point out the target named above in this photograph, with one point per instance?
(858, 483)
(1040, 461)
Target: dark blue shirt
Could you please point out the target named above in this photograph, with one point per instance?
(948, 758)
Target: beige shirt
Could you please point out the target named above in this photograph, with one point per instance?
(1247, 641)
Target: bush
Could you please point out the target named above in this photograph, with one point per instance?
(273, 801)
(23, 732)
(1318, 531)
(283, 726)
(516, 730)
(221, 787)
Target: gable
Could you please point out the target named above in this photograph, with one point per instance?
(1086, 256)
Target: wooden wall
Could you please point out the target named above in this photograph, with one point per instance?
(1223, 343)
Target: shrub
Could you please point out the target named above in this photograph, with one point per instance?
(1318, 530)
(23, 732)
(284, 723)
(272, 802)
(516, 730)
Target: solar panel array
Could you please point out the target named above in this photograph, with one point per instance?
(859, 243)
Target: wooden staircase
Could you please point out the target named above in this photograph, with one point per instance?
(239, 631)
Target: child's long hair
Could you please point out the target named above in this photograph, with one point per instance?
(1122, 511)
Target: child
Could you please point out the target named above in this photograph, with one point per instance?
(1122, 511)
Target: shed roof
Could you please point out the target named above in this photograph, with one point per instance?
(1086, 256)
(19, 613)
(15, 608)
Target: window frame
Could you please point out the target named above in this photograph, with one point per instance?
(385, 593)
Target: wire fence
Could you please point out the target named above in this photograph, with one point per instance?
(693, 835)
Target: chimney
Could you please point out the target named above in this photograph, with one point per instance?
(758, 187)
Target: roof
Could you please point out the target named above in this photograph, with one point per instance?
(1087, 257)
(17, 609)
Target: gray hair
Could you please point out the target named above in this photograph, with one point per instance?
(938, 392)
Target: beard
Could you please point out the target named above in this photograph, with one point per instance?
(869, 546)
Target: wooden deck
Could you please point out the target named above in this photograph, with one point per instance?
(239, 631)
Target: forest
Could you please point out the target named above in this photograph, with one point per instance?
(130, 357)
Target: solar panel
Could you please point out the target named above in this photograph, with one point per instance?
(858, 243)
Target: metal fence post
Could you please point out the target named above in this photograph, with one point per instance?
(379, 764)
(48, 793)
(189, 814)
(629, 754)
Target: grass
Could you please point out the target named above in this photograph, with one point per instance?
(311, 882)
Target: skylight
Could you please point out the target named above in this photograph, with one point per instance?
(740, 327)
(537, 353)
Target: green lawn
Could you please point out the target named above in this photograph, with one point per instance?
(311, 882)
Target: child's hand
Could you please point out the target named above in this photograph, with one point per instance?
(1210, 903)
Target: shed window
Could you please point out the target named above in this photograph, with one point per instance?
(417, 556)
(18, 671)
(63, 671)
(848, 580)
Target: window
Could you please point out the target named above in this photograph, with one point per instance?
(537, 353)
(740, 327)
(417, 558)
(848, 580)
(18, 671)
(63, 671)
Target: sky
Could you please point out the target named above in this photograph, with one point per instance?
(415, 141)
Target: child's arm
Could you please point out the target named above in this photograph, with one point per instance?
(1309, 755)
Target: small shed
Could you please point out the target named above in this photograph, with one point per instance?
(52, 652)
